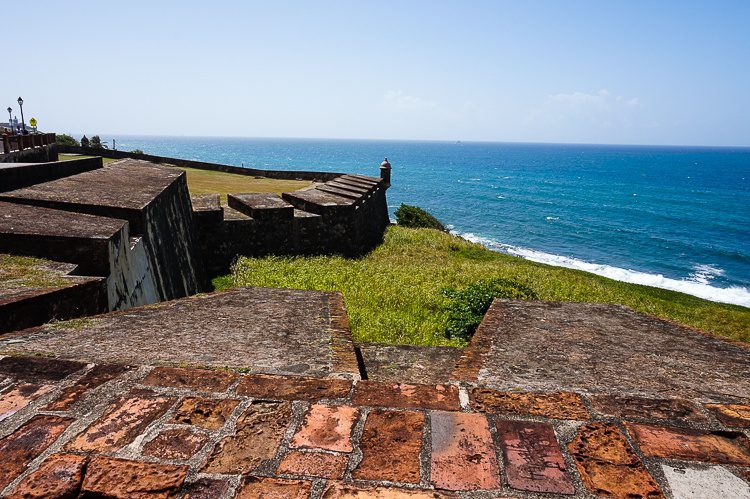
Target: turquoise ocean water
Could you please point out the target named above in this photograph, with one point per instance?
(672, 217)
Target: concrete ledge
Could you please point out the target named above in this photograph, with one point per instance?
(261, 206)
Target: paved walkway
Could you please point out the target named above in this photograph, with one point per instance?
(140, 431)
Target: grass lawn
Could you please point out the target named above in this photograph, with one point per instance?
(393, 294)
(211, 182)
(68, 157)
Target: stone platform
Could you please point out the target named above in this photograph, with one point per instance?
(256, 329)
(600, 348)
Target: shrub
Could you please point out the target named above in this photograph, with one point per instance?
(85, 142)
(97, 143)
(467, 306)
(65, 140)
(415, 217)
(137, 151)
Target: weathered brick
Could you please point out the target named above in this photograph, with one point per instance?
(560, 405)
(122, 422)
(533, 460)
(120, 478)
(206, 413)
(16, 398)
(59, 476)
(692, 445)
(327, 427)
(206, 488)
(391, 443)
(383, 394)
(96, 377)
(630, 407)
(274, 488)
(337, 490)
(463, 457)
(26, 443)
(314, 464)
(256, 440)
(204, 380)
(178, 443)
(736, 415)
(607, 464)
(268, 386)
(38, 368)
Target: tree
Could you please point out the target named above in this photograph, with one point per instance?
(85, 142)
(65, 140)
(97, 143)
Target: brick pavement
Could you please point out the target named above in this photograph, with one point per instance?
(70, 428)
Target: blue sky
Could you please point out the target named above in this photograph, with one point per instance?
(539, 71)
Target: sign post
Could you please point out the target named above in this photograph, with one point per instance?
(32, 122)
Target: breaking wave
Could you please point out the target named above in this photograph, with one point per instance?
(697, 284)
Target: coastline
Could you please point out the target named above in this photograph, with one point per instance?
(733, 295)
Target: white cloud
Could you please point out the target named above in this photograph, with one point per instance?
(398, 100)
(580, 109)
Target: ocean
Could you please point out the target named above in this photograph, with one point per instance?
(671, 217)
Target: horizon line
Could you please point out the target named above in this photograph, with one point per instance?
(453, 141)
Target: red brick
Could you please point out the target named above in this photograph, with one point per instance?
(560, 405)
(338, 490)
(175, 444)
(120, 478)
(20, 396)
(95, 377)
(256, 440)
(19, 448)
(274, 488)
(692, 445)
(206, 413)
(630, 407)
(268, 386)
(60, 476)
(391, 443)
(383, 394)
(533, 460)
(314, 464)
(463, 457)
(203, 380)
(736, 415)
(121, 423)
(38, 368)
(327, 427)
(607, 464)
(206, 488)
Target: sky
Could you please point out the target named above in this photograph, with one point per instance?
(616, 72)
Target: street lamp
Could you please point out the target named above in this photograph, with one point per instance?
(23, 122)
(10, 117)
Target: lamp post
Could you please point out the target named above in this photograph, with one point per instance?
(10, 117)
(23, 122)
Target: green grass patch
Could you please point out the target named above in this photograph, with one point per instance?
(68, 157)
(211, 182)
(27, 272)
(394, 294)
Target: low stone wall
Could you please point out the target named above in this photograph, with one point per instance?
(308, 222)
(15, 176)
(188, 163)
(43, 154)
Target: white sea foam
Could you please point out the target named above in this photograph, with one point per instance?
(697, 285)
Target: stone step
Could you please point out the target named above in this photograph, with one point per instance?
(261, 206)
(350, 186)
(332, 189)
